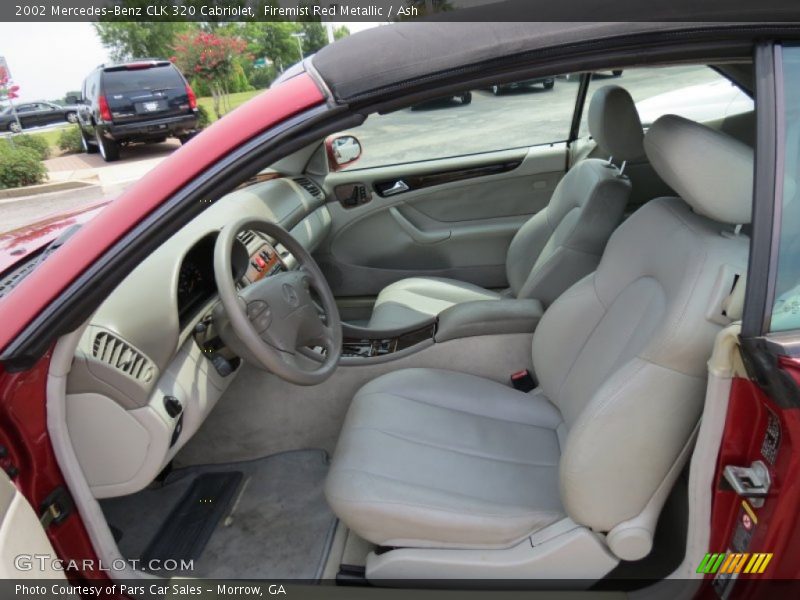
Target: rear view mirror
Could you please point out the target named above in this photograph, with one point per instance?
(342, 150)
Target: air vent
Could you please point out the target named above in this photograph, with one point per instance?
(246, 237)
(309, 186)
(113, 351)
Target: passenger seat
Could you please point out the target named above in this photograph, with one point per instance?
(558, 245)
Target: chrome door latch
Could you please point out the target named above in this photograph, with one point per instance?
(749, 482)
(399, 187)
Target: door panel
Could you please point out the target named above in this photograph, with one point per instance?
(758, 429)
(21, 534)
(757, 491)
(459, 228)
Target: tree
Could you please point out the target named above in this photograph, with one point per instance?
(272, 40)
(341, 32)
(212, 59)
(315, 38)
(140, 39)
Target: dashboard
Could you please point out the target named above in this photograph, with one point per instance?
(196, 280)
(143, 380)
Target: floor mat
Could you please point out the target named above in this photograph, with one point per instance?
(276, 524)
(189, 526)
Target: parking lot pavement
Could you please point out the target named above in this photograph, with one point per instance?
(517, 119)
(134, 162)
(18, 212)
(109, 181)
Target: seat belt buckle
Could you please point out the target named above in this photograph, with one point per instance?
(523, 381)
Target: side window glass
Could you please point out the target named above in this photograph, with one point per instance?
(786, 310)
(695, 92)
(495, 118)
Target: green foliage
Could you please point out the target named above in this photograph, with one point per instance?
(315, 38)
(69, 140)
(200, 87)
(203, 119)
(261, 78)
(341, 32)
(272, 40)
(34, 142)
(237, 82)
(140, 39)
(20, 166)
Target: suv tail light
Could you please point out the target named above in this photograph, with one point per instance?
(105, 112)
(192, 97)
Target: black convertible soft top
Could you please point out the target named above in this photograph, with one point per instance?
(393, 58)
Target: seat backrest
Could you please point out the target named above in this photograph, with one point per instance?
(563, 242)
(623, 352)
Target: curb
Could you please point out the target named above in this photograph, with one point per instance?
(45, 188)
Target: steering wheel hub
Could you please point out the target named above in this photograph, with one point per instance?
(276, 319)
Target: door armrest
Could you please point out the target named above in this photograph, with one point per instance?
(488, 317)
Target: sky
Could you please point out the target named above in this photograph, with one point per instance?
(49, 59)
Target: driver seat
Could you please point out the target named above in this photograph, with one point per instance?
(470, 478)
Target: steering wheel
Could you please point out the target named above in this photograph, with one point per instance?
(276, 318)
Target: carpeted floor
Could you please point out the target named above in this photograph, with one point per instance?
(276, 524)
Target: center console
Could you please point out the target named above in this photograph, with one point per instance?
(368, 344)
(264, 262)
(467, 320)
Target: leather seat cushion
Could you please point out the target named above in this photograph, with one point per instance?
(439, 458)
(415, 299)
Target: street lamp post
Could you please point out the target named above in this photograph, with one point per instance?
(299, 36)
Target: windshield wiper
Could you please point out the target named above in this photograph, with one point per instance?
(11, 281)
(57, 243)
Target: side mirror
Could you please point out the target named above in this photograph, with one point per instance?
(342, 150)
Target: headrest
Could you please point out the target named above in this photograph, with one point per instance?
(614, 123)
(710, 170)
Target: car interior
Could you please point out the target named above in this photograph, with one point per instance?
(313, 378)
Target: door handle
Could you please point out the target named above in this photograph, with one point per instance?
(399, 187)
(417, 234)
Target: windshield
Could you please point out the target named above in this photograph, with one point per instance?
(154, 78)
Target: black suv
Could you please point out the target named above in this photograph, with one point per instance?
(144, 100)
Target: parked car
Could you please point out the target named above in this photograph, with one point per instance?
(462, 99)
(138, 101)
(36, 114)
(654, 451)
(547, 82)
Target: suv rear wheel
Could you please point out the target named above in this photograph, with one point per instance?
(87, 146)
(109, 149)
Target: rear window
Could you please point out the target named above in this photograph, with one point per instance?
(135, 80)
